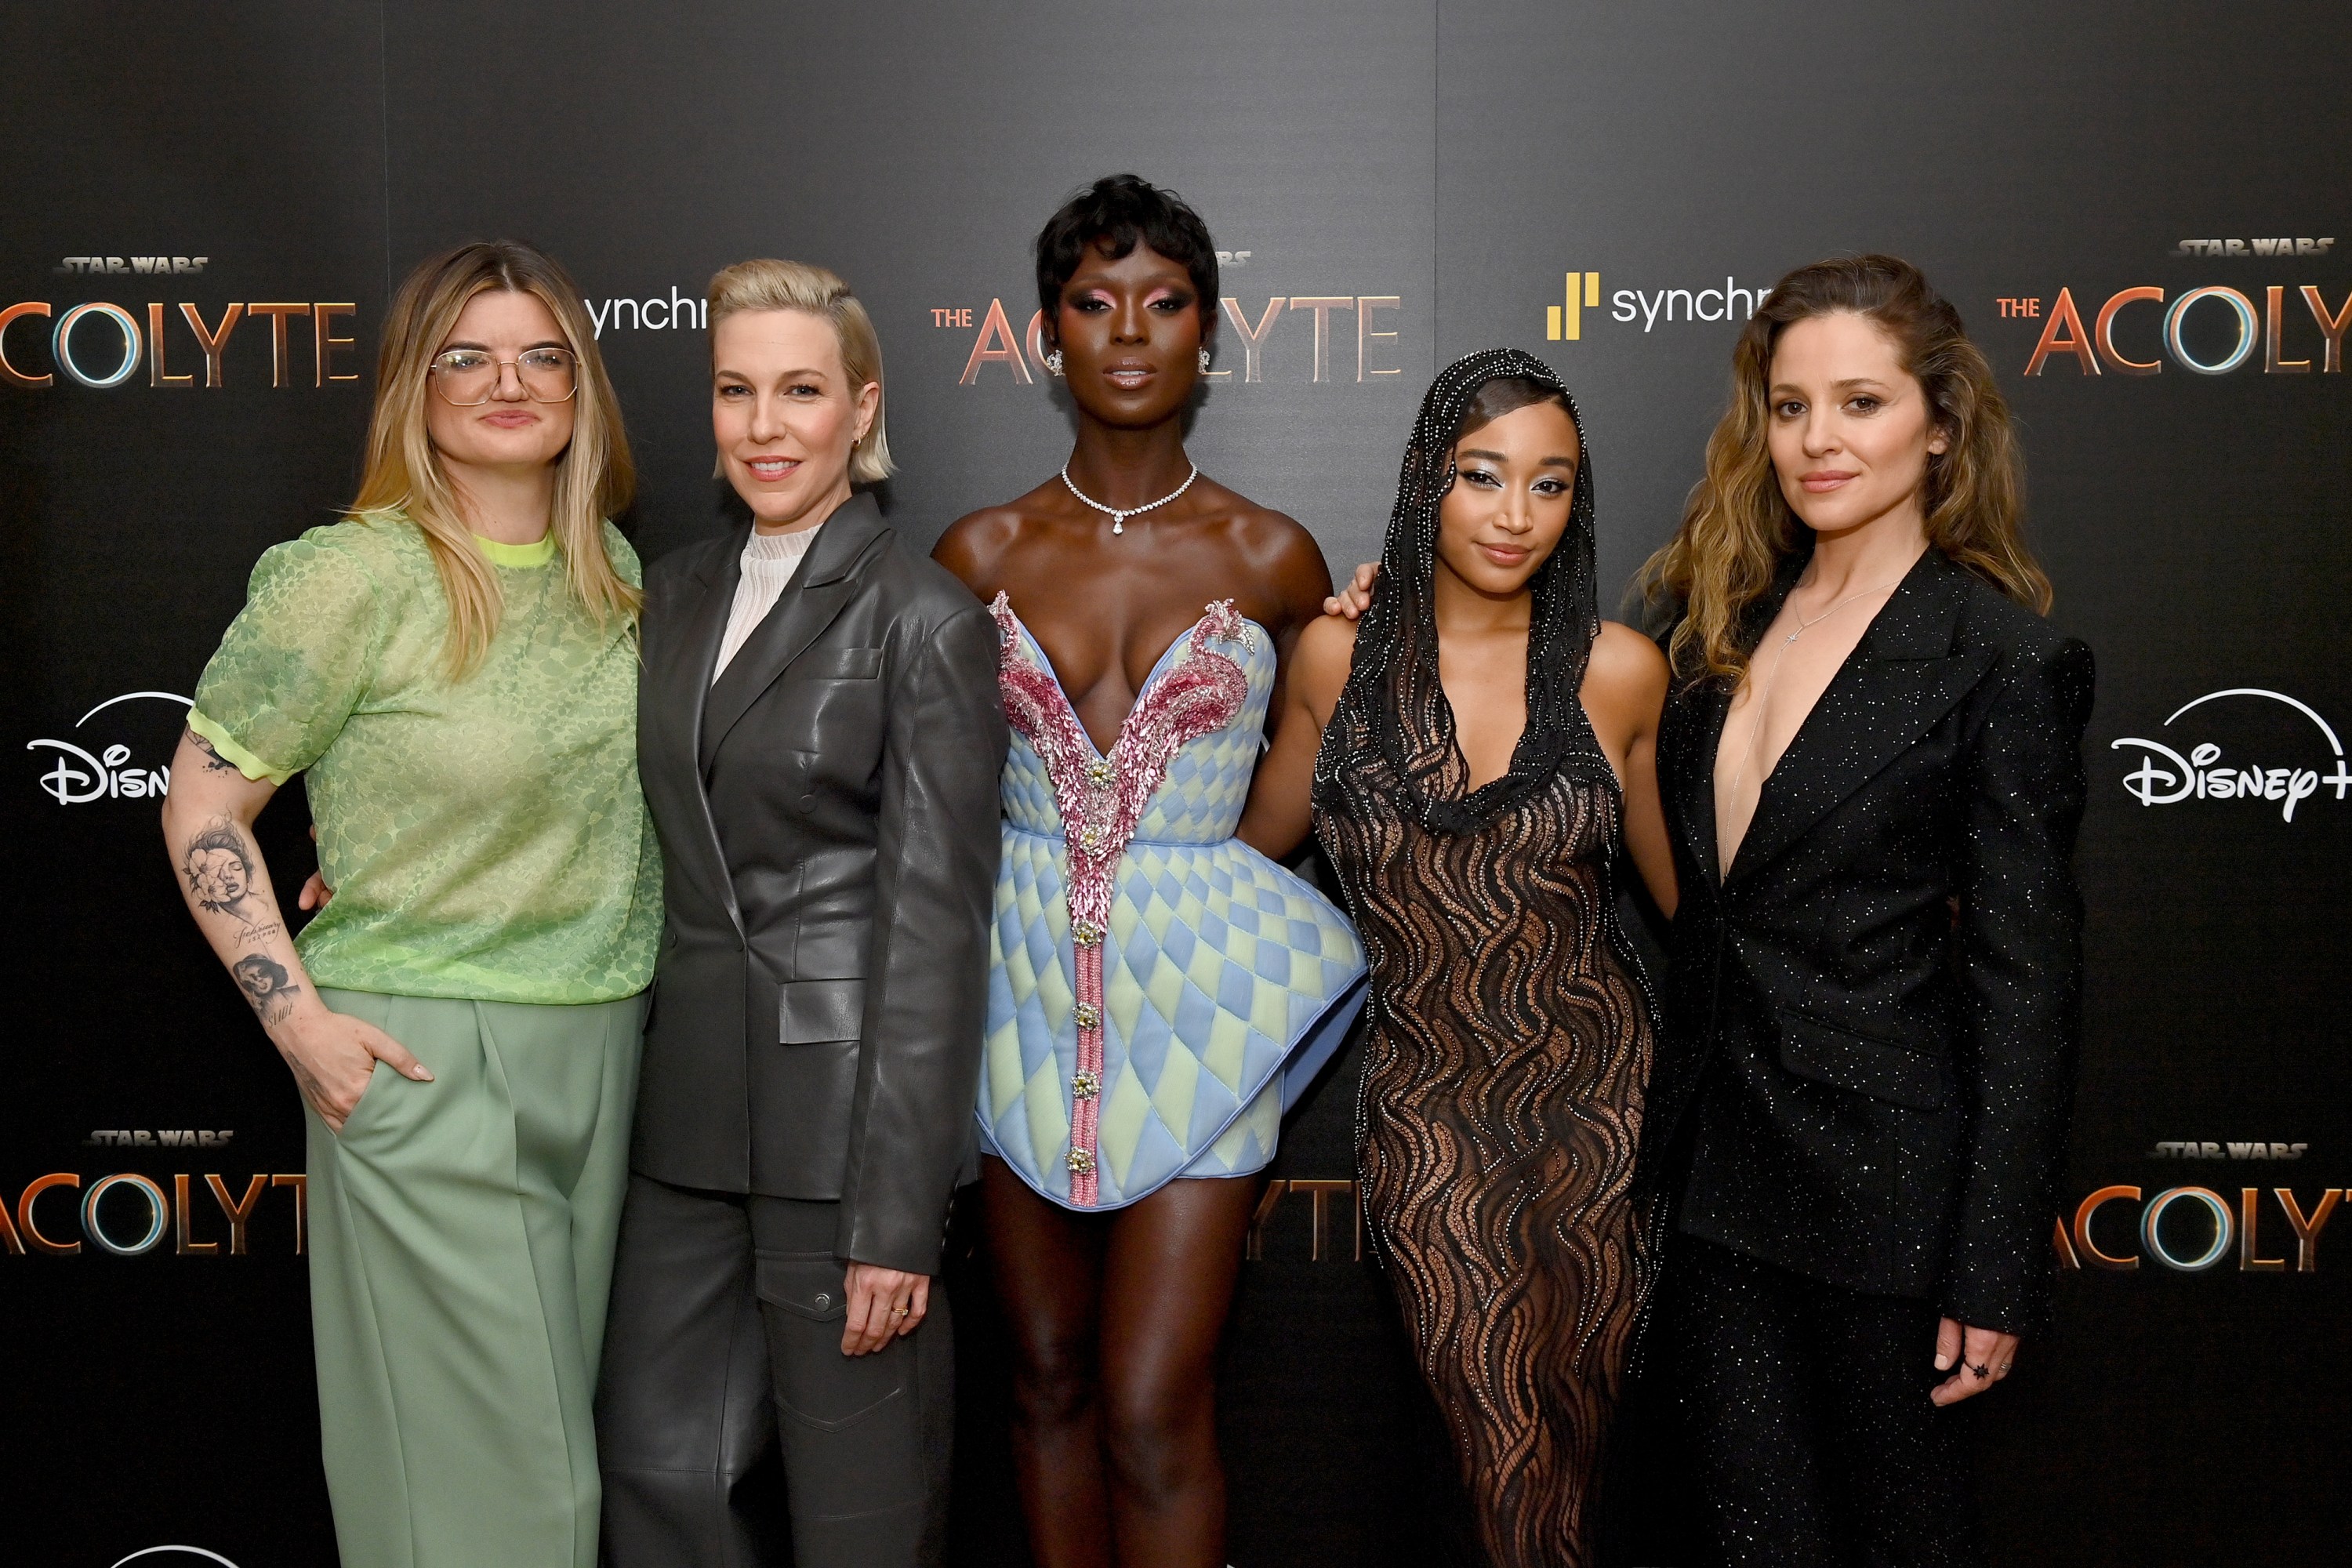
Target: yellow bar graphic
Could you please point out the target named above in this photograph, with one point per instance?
(1580, 291)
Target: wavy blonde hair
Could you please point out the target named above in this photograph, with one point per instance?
(595, 477)
(772, 285)
(1737, 527)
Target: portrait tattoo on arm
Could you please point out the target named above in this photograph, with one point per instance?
(265, 984)
(214, 762)
(219, 870)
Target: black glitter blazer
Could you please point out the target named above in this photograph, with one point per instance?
(1868, 1068)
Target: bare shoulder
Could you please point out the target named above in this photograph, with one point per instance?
(1275, 537)
(1625, 675)
(1278, 550)
(1320, 663)
(975, 544)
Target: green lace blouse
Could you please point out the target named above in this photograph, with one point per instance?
(486, 840)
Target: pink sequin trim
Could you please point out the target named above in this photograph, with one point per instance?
(1102, 799)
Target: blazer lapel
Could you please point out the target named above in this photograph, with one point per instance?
(1902, 677)
(1707, 704)
(809, 603)
(1695, 775)
(680, 684)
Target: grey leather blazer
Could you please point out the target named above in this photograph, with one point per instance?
(828, 819)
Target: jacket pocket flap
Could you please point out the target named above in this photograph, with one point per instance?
(810, 1287)
(809, 1011)
(1842, 1059)
(839, 664)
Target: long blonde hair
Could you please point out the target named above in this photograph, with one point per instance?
(595, 477)
(1737, 527)
(767, 284)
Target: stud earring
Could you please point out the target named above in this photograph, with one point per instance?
(1204, 362)
(1054, 363)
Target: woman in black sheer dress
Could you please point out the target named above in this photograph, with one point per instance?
(1485, 750)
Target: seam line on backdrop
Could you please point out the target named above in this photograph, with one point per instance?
(383, 135)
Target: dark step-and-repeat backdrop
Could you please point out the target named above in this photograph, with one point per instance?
(2138, 209)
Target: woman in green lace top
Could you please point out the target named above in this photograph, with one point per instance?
(454, 668)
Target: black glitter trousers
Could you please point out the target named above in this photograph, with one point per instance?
(1805, 1411)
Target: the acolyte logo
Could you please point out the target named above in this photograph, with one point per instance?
(127, 1214)
(1319, 321)
(2168, 777)
(2191, 1230)
(2210, 331)
(1323, 1240)
(81, 775)
(101, 346)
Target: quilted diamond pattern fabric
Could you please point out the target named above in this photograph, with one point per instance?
(1219, 966)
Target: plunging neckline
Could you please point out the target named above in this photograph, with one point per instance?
(1796, 737)
(1158, 667)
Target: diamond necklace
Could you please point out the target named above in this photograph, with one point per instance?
(1118, 517)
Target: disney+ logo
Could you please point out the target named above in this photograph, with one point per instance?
(2167, 777)
(81, 775)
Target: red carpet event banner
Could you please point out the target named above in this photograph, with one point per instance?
(2141, 213)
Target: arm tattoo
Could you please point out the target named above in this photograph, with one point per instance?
(214, 762)
(219, 870)
(267, 985)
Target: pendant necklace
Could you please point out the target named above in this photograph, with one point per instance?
(1756, 726)
(1118, 517)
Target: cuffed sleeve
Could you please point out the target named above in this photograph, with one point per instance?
(919, 1068)
(2020, 970)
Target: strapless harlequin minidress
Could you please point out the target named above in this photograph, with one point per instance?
(1159, 992)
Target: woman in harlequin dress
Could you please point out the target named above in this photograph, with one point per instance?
(1155, 983)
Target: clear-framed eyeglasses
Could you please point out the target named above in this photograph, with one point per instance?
(467, 378)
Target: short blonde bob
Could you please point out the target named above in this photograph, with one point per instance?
(404, 479)
(772, 285)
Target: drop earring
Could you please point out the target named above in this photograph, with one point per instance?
(1204, 362)
(1054, 363)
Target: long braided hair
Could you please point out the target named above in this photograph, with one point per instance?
(1393, 682)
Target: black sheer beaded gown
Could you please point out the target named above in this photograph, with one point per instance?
(1510, 1036)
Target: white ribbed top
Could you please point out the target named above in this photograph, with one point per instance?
(768, 562)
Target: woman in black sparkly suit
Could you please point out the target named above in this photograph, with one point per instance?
(1484, 750)
(1872, 767)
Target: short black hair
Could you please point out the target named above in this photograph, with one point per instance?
(1113, 216)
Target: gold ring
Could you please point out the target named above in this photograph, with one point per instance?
(898, 1311)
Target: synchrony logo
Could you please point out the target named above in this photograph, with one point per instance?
(160, 1555)
(1581, 294)
(81, 775)
(2168, 777)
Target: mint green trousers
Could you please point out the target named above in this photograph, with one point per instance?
(461, 1249)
